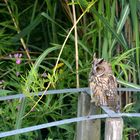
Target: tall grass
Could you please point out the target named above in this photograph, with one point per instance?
(45, 33)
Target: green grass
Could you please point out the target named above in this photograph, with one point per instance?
(43, 32)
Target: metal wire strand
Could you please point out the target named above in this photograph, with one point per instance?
(60, 91)
(66, 121)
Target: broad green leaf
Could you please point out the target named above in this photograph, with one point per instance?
(133, 8)
(43, 55)
(5, 92)
(128, 84)
(28, 29)
(120, 25)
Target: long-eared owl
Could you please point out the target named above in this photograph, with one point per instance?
(103, 84)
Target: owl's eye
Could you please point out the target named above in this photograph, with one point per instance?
(100, 70)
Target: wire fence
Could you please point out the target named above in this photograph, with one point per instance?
(60, 91)
(108, 112)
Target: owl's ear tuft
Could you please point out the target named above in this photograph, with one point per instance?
(100, 60)
(96, 60)
(94, 56)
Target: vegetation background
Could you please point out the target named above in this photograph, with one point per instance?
(48, 44)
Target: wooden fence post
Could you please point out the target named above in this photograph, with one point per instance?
(113, 129)
(90, 129)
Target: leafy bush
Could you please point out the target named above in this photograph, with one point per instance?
(38, 51)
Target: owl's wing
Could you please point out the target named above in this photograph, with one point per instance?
(111, 93)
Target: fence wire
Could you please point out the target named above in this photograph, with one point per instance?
(60, 91)
(66, 121)
(62, 122)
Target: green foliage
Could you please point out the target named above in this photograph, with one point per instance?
(37, 53)
(131, 125)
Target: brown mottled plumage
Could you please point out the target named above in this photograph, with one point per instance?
(103, 84)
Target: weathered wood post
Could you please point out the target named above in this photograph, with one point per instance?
(89, 129)
(113, 125)
(113, 129)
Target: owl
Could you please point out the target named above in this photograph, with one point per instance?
(103, 84)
